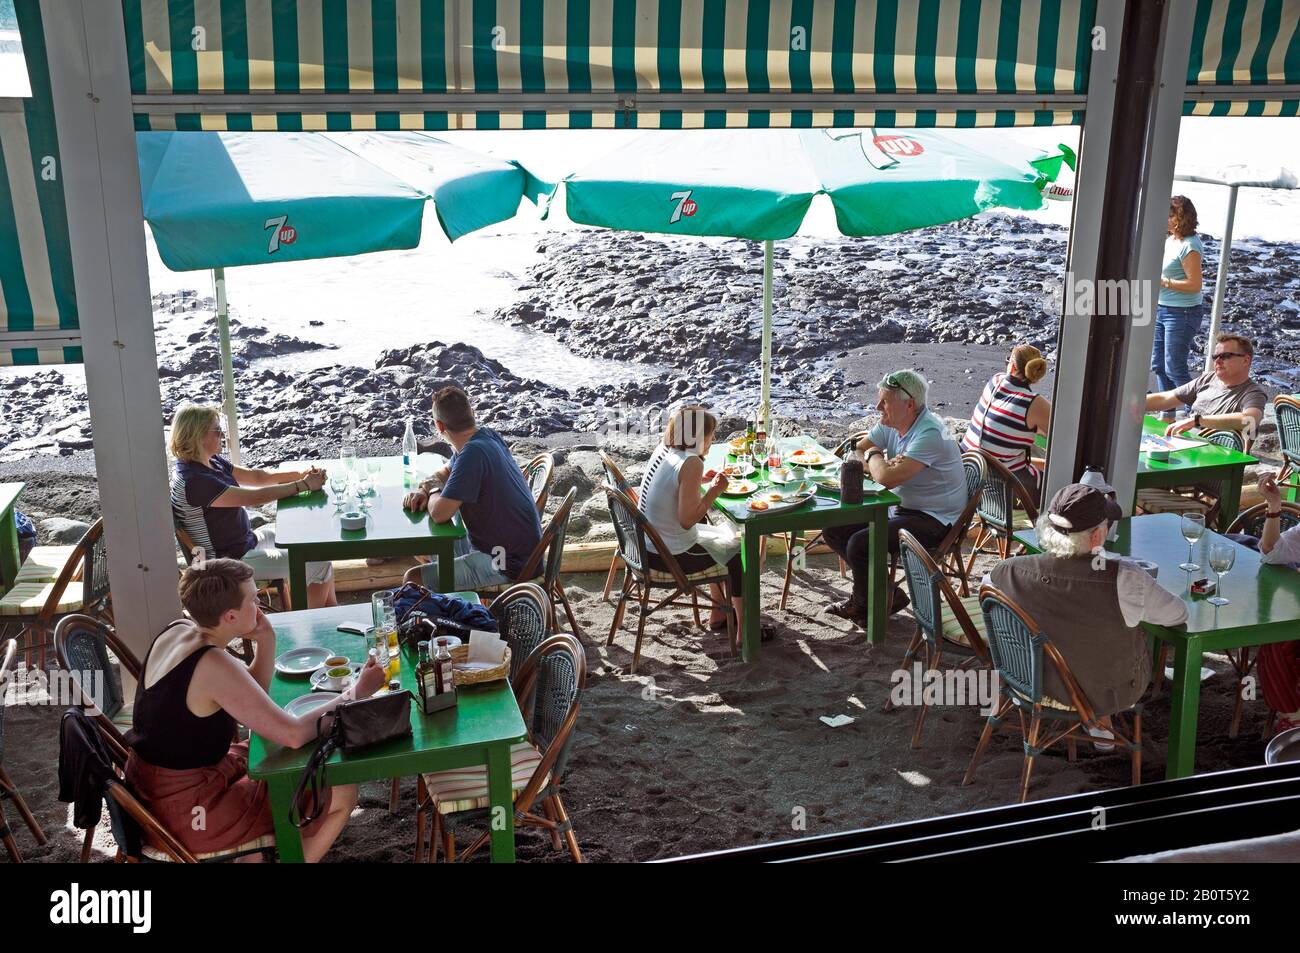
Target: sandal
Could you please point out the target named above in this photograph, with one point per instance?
(718, 626)
(1105, 734)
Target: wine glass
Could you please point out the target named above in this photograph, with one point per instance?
(338, 486)
(1193, 529)
(363, 487)
(1222, 556)
(348, 455)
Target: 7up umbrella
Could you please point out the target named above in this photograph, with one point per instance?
(759, 184)
(218, 199)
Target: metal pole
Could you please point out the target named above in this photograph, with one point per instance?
(227, 366)
(765, 402)
(1221, 282)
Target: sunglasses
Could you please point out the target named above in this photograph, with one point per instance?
(892, 382)
(1225, 355)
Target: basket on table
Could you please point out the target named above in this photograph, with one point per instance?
(478, 676)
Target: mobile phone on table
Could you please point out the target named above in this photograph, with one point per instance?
(353, 628)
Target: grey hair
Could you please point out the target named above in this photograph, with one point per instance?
(913, 384)
(1054, 542)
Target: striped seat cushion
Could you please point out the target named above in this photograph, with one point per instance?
(1048, 702)
(465, 789)
(951, 628)
(261, 843)
(1167, 501)
(44, 563)
(712, 574)
(28, 598)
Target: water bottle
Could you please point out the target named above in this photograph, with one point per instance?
(1092, 476)
(409, 450)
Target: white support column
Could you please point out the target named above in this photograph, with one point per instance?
(1221, 282)
(92, 102)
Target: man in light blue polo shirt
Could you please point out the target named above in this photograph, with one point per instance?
(910, 452)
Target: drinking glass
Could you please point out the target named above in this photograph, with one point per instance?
(348, 455)
(382, 612)
(1193, 529)
(363, 488)
(773, 454)
(1222, 556)
(338, 486)
(372, 467)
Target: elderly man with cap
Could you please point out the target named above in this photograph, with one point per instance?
(1091, 609)
(911, 453)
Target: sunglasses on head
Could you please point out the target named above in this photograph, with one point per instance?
(1224, 355)
(892, 382)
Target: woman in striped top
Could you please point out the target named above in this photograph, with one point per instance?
(1009, 414)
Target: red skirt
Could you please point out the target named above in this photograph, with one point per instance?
(208, 809)
(1279, 675)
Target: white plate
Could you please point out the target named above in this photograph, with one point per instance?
(299, 663)
(318, 679)
(307, 703)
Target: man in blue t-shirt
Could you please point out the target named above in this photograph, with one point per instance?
(910, 452)
(486, 486)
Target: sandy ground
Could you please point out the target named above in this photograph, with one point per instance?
(699, 751)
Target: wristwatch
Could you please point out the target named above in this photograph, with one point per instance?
(1197, 421)
(871, 452)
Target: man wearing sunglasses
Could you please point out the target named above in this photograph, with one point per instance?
(1225, 399)
(911, 453)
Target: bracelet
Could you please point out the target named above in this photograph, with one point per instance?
(296, 486)
(1273, 516)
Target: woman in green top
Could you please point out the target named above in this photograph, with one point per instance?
(1179, 311)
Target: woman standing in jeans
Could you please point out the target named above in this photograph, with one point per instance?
(1180, 310)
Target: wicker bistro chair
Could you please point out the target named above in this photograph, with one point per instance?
(997, 515)
(549, 688)
(1202, 498)
(8, 790)
(633, 531)
(523, 613)
(538, 472)
(33, 607)
(189, 549)
(1287, 409)
(614, 477)
(943, 620)
(1019, 648)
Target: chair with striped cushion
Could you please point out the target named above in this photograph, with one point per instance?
(633, 531)
(1019, 649)
(1004, 508)
(549, 689)
(538, 473)
(43, 564)
(8, 790)
(1202, 498)
(33, 607)
(943, 620)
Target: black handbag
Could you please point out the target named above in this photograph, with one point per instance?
(357, 725)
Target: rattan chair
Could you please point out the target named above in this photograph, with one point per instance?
(1202, 498)
(523, 613)
(549, 688)
(633, 531)
(8, 790)
(190, 550)
(1287, 409)
(33, 608)
(1019, 649)
(997, 515)
(614, 477)
(943, 620)
(538, 472)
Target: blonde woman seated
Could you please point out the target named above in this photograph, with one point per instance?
(209, 494)
(1010, 415)
(190, 697)
(671, 500)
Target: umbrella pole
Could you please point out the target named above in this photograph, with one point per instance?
(765, 402)
(1221, 282)
(227, 365)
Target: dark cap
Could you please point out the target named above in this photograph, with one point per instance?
(1077, 507)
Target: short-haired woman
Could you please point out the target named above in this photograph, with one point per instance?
(1180, 309)
(1009, 415)
(671, 500)
(190, 698)
(209, 493)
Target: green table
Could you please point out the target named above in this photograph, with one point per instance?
(479, 730)
(9, 562)
(825, 509)
(307, 527)
(1264, 607)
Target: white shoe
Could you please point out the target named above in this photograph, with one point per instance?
(1102, 733)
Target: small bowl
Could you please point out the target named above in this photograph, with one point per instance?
(1158, 456)
(337, 678)
(1284, 747)
(353, 519)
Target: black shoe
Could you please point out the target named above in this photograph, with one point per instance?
(849, 610)
(899, 601)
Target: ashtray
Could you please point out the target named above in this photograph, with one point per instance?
(1158, 456)
(353, 519)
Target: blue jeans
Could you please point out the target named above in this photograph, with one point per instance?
(1175, 328)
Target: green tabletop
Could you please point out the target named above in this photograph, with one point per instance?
(9, 562)
(823, 510)
(479, 730)
(1263, 607)
(307, 526)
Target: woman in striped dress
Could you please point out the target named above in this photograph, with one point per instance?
(1009, 415)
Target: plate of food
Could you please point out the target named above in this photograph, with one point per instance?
(736, 444)
(783, 499)
(831, 484)
(804, 457)
(740, 488)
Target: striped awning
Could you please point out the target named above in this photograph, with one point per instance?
(38, 303)
(1245, 59)
(493, 64)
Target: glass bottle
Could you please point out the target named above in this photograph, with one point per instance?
(442, 666)
(424, 678)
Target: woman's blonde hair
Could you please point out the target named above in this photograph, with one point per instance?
(688, 427)
(1029, 362)
(190, 424)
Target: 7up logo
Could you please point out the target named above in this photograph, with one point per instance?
(282, 233)
(685, 206)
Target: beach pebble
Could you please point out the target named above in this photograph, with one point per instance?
(59, 530)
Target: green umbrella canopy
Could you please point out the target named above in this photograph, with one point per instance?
(220, 199)
(759, 184)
